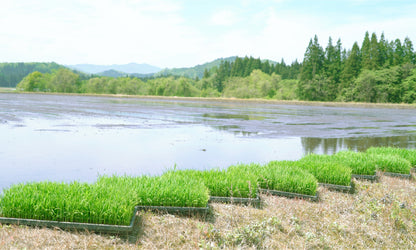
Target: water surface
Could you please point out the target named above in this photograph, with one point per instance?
(66, 138)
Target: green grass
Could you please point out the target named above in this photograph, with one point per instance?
(391, 163)
(325, 169)
(360, 163)
(110, 200)
(166, 190)
(408, 154)
(74, 202)
(232, 182)
(282, 176)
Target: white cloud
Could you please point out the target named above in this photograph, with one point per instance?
(224, 18)
(102, 31)
(161, 32)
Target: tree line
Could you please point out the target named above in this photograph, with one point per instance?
(377, 71)
(12, 73)
(257, 85)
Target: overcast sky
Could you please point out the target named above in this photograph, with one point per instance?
(183, 33)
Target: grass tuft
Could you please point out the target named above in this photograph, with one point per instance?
(395, 160)
(231, 182)
(325, 169)
(282, 176)
(74, 202)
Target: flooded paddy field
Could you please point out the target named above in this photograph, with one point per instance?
(67, 137)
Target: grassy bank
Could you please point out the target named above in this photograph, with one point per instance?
(378, 215)
(7, 90)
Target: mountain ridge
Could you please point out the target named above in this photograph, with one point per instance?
(129, 68)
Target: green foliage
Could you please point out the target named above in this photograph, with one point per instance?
(231, 182)
(286, 90)
(380, 71)
(325, 169)
(360, 163)
(168, 189)
(257, 85)
(74, 202)
(282, 176)
(409, 88)
(375, 73)
(13, 73)
(63, 80)
(408, 154)
(198, 71)
(313, 60)
(111, 200)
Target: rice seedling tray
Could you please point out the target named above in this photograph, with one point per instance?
(255, 202)
(189, 211)
(292, 195)
(340, 188)
(372, 178)
(403, 176)
(130, 230)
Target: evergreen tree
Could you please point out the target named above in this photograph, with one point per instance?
(265, 67)
(352, 66)
(313, 60)
(408, 53)
(365, 52)
(398, 54)
(383, 47)
(237, 67)
(332, 61)
(206, 73)
(375, 60)
(248, 66)
(311, 81)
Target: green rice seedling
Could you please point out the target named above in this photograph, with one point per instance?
(224, 183)
(360, 163)
(73, 202)
(110, 200)
(408, 154)
(165, 190)
(325, 169)
(282, 176)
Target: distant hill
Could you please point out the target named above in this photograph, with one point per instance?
(112, 73)
(12, 73)
(130, 68)
(196, 71)
(115, 74)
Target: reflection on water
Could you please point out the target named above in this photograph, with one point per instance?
(236, 130)
(333, 145)
(66, 138)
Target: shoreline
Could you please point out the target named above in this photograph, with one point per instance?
(232, 100)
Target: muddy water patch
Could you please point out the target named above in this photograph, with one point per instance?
(233, 116)
(100, 135)
(404, 126)
(354, 128)
(307, 124)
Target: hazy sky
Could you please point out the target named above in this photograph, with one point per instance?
(182, 33)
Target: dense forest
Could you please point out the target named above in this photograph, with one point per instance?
(12, 73)
(377, 71)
